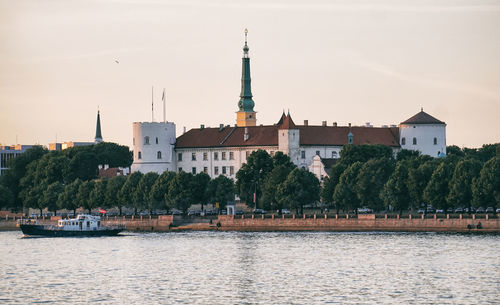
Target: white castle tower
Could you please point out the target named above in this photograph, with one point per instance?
(154, 144)
(424, 133)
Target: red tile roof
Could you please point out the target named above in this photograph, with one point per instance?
(422, 118)
(268, 136)
(287, 123)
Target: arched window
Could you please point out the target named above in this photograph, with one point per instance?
(403, 141)
(414, 141)
(158, 155)
(139, 155)
(146, 140)
(435, 141)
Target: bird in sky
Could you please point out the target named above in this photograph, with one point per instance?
(116, 60)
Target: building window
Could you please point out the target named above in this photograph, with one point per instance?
(146, 140)
(158, 155)
(414, 141)
(156, 140)
(271, 153)
(302, 154)
(193, 170)
(223, 157)
(133, 141)
(231, 170)
(205, 156)
(246, 154)
(231, 155)
(223, 170)
(205, 170)
(334, 155)
(139, 155)
(403, 141)
(317, 152)
(435, 141)
(179, 157)
(216, 156)
(180, 169)
(216, 170)
(193, 156)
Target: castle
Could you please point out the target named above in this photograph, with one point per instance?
(224, 149)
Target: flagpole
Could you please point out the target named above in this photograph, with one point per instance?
(164, 101)
(152, 111)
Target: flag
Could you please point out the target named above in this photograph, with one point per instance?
(102, 211)
(163, 96)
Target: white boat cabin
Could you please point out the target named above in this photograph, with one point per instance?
(83, 222)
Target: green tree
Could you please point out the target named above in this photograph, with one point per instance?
(278, 175)
(395, 193)
(362, 153)
(251, 177)
(371, 179)
(83, 164)
(83, 196)
(461, 183)
(438, 187)
(112, 198)
(112, 154)
(180, 191)
(98, 194)
(405, 154)
(221, 190)
(301, 187)
(159, 190)
(418, 178)
(68, 198)
(454, 150)
(486, 188)
(200, 184)
(128, 190)
(143, 192)
(329, 184)
(345, 195)
(6, 198)
(51, 195)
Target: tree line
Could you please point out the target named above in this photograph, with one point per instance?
(364, 176)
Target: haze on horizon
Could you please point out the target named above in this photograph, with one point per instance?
(340, 61)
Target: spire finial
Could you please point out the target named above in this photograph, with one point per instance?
(422, 109)
(245, 47)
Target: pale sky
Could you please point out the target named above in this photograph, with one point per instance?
(345, 61)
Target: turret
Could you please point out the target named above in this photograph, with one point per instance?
(246, 116)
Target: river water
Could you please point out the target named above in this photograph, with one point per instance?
(251, 268)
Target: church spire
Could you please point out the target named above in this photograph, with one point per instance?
(246, 102)
(246, 116)
(98, 135)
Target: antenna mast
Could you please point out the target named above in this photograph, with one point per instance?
(164, 98)
(152, 110)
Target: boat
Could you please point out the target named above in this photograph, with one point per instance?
(82, 225)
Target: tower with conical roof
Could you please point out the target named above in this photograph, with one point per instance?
(246, 116)
(98, 134)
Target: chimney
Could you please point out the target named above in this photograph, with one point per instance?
(202, 126)
(106, 166)
(247, 135)
(349, 125)
(306, 122)
(184, 130)
(221, 127)
(334, 124)
(367, 124)
(99, 166)
(324, 123)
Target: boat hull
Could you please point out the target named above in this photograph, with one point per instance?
(40, 230)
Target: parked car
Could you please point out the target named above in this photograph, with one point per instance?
(223, 212)
(430, 210)
(490, 210)
(480, 210)
(259, 211)
(285, 211)
(191, 213)
(421, 211)
(176, 213)
(498, 211)
(449, 210)
(459, 210)
(439, 211)
(238, 212)
(364, 210)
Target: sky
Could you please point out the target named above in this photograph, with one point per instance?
(349, 61)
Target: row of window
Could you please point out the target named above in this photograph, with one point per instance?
(224, 170)
(223, 156)
(158, 155)
(303, 154)
(403, 141)
(146, 140)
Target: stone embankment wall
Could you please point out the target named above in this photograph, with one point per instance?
(363, 223)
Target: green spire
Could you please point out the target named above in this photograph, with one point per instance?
(98, 135)
(246, 102)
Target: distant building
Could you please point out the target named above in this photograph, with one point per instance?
(8, 153)
(69, 144)
(224, 149)
(109, 172)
